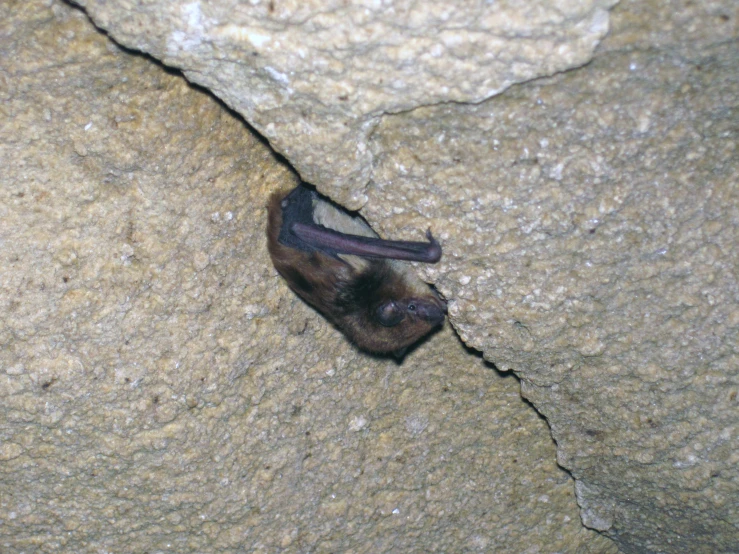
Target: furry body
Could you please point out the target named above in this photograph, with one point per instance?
(336, 263)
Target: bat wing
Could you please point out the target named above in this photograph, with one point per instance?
(328, 240)
(299, 230)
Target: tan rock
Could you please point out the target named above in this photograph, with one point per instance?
(316, 78)
(592, 246)
(163, 390)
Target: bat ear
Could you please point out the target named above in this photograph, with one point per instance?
(389, 314)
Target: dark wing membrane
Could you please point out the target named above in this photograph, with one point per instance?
(296, 207)
(334, 242)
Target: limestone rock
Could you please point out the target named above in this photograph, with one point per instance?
(591, 231)
(163, 390)
(317, 77)
(589, 222)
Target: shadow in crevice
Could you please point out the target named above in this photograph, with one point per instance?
(509, 374)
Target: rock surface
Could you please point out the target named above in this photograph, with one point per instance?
(317, 77)
(590, 225)
(591, 231)
(163, 391)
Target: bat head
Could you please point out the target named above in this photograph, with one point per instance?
(387, 313)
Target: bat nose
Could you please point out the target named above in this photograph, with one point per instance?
(431, 312)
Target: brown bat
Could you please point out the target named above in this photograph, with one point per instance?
(339, 265)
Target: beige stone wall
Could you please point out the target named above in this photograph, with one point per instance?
(162, 390)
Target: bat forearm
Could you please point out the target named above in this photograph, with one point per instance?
(324, 238)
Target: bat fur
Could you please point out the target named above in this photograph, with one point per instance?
(339, 265)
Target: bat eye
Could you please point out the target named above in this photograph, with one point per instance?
(411, 307)
(389, 314)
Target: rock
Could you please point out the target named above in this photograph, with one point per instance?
(163, 390)
(590, 226)
(316, 78)
(589, 222)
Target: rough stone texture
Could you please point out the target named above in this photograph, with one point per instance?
(161, 390)
(316, 77)
(591, 232)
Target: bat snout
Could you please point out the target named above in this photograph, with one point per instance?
(430, 311)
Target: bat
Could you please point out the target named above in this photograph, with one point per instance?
(339, 265)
